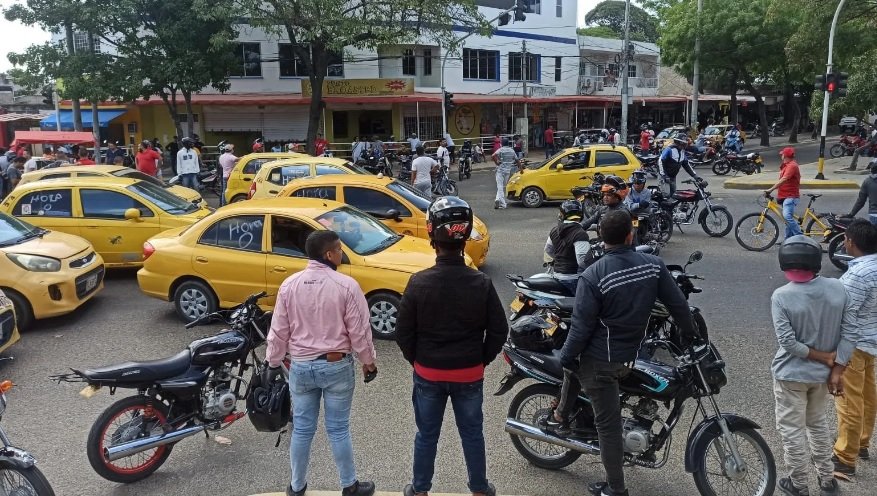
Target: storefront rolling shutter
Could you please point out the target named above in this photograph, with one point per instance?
(277, 123)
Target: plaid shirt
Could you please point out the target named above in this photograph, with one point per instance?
(859, 327)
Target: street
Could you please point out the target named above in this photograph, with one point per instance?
(51, 421)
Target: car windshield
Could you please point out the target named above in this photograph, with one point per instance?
(355, 168)
(156, 195)
(136, 174)
(410, 194)
(361, 232)
(14, 231)
(713, 131)
(536, 165)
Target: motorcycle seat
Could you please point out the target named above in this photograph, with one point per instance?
(152, 370)
(546, 284)
(565, 304)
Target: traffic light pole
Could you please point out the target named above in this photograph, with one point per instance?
(828, 65)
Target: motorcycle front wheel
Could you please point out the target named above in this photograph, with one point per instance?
(717, 223)
(661, 226)
(24, 481)
(721, 167)
(530, 405)
(714, 478)
(836, 151)
(449, 188)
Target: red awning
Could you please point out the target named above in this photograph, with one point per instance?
(52, 137)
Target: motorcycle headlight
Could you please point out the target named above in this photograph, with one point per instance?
(476, 235)
(35, 263)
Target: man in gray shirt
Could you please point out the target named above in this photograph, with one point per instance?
(868, 194)
(807, 316)
(504, 158)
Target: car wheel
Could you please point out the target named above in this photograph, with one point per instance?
(23, 311)
(532, 197)
(193, 300)
(383, 310)
(238, 198)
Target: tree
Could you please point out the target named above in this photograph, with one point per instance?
(599, 32)
(319, 28)
(610, 14)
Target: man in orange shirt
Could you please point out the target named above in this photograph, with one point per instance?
(788, 190)
(83, 158)
(147, 159)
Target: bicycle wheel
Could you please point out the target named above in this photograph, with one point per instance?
(759, 231)
(818, 228)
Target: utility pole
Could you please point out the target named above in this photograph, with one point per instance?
(828, 66)
(77, 111)
(625, 60)
(694, 105)
(524, 74)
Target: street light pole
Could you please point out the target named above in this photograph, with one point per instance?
(625, 55)
(828, 66)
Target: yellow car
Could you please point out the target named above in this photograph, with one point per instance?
(44, 273)
(241, 177)
(273, 176)
(111, 171)
(554, 178)
(715, 134)
(394, 202)
(116, 216)
(253, 246)
(8, 329)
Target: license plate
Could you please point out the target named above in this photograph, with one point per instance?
(91, 282)
(516, 305)
(635, 222)
(550, 331)
(89, 391)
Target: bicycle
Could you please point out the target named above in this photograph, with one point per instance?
(763, 230)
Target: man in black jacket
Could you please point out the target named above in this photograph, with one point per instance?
(614, 298)
(568, 245)
(451, 325)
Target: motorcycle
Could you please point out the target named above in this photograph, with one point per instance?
(727, 161)
(19, 474)
(192, 392)
(464, 169)
(682, 207)
(846, 146)
(649, 164)
(442, 185)
(707, 157)
(837, 252)
(590, 196)
(375, 164)
(207, 180)
(404, 168)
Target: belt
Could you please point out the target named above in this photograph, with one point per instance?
(334, 356)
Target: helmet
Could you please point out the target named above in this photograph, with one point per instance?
(268, 405)
(449, 219)
(800, 252)
(874, 166)
(528, 332)
(570, 210)
(612, 130)
(187, 142)
(643, 127)
(638, 177)
(615, 185)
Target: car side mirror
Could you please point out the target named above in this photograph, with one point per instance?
(559, 166)
(132, 214)
(394, 214)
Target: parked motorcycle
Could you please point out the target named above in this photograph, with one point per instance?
(683, 206)
(404, 168)
(192, 392)
(375, 164)
(19, 474)
(728, 161)
(846, 146)
(208, 179)
(442, 185)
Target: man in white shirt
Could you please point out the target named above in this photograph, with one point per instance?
(226, 161)
(421, 172)
(449, 143)
(31, 164)
(188, 164)
(443, 154)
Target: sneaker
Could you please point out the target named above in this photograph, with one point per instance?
(558, 427)
(786, 486)
(290, 492)
(829, 487)
(359, 489)
(496, 204)
(841, 467)
(491, 491)
(863, 454)
(602, 489)
(409, 491)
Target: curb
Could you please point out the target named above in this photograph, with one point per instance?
(805, 184)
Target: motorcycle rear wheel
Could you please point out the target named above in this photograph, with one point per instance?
(721, 167)
(755, 453)
(836, 247)
(17, 480)
(529, 405)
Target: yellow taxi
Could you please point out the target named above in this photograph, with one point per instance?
(273, 176)
(116, 216)
(241, 177)
(8, 329)
(253, 246)
(715, 134)
(554, 178)
(108, 171)
(394, 202)
(44, 273)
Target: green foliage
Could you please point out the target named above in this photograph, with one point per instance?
(599, 32)
(610, 14)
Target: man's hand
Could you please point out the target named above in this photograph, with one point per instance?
(836, 381)
(767, 192)
(824, 357)
(270, 374)
(371, 367)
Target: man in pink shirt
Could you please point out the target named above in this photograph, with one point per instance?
(320, 319)
(226, 161)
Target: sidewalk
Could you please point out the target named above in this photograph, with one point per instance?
(377, 493)
(832, 180)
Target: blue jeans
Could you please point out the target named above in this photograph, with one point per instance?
(792, 227)
(873, 218)
(430, 399)
(308, 381)
(189, 180)
(222, 185)
(549, 150)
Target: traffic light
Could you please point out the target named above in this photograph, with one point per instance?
(830, 83)
(449, 101)
(519, 12)
(841, 79)
(504, 18)
(819, 83)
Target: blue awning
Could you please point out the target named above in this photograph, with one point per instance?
(104, 118)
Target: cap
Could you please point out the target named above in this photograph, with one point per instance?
(788, 152)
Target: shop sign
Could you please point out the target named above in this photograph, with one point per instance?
(362, 87)
(543, 90)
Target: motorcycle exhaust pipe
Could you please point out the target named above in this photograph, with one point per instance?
(526, 430)
(123, 450)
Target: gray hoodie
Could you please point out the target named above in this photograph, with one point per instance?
(868, 192)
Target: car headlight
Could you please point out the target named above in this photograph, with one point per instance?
(476, 236)
(515, 179)
(35, 263)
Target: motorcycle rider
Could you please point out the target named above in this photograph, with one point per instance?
(613, 303)
(614, 191)
(581, 140)
(733, 140)
(568, 245)
(868, 192)
(672, 159)
(639, 197)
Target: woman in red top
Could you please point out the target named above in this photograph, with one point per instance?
(147, 159)
(788, 190)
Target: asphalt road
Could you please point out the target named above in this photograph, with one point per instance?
(52, 421)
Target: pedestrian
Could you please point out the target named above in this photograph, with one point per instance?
(868, 193)
(853, 374)
(807, 314)
(188, 164)
(421, 172)
(356, 149)
(31, 163)
(871, 141)
(414, 142)
(442, 154)
(449, 339)
(321, 319)
(497, 142)
(449, 144)
(147, 159)
(14, 173)
(518, 146)
(62, 154)
(505, 159)
(227, 162)
(113, 151)
(321, 146)
(258, 145)
(645, 139)
(83, 157)
(788, 190)
(173, 148)
(614, 298)
(548, 135)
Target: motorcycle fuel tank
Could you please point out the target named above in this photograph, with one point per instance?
(223, 347)
(651, 379)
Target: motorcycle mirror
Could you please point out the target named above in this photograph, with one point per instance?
(697, 256)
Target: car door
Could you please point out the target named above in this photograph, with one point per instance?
(285, 252)
(562, 179)
(613, 162)
(49, 208)
(117, 239)
(230, 255)
(319, 192)
(378, 203)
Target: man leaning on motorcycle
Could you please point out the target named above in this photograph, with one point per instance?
(614, 299)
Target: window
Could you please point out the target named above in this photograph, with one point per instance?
(183, 118)
(242, 232)
(631, 70)
(558, 64)
(249, 60)
(535, 6)
(319, 192)
(428, 125)
(102, 204)
(161, 198)
(373, 202)
(409, 64)
(575, 161)
(292, 66)
(481, 64)
(559, 8)
(613, 69)
(89, 174)
(282, 175)
(253, 166)
(609, 158)
(427, 62)
(288, 236)
(520, 66)
(336, 65)
(45, 203)
(322, 170)
(80, 42)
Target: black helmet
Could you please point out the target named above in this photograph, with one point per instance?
(528, 332)
(638, 177)
(874, 166)
(268, 405)
(800, 252)
(570, 210)
(449, 219)
(679, 139)
(187, 142)
(643, 127)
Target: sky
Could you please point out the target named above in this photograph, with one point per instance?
(17, 37)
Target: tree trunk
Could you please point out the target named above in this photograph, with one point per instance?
(190, 117)
(796, 122)
(762, 112)
(95, 130)
(732, 114)
(77, 111)
(319, 65)
(170, 101)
